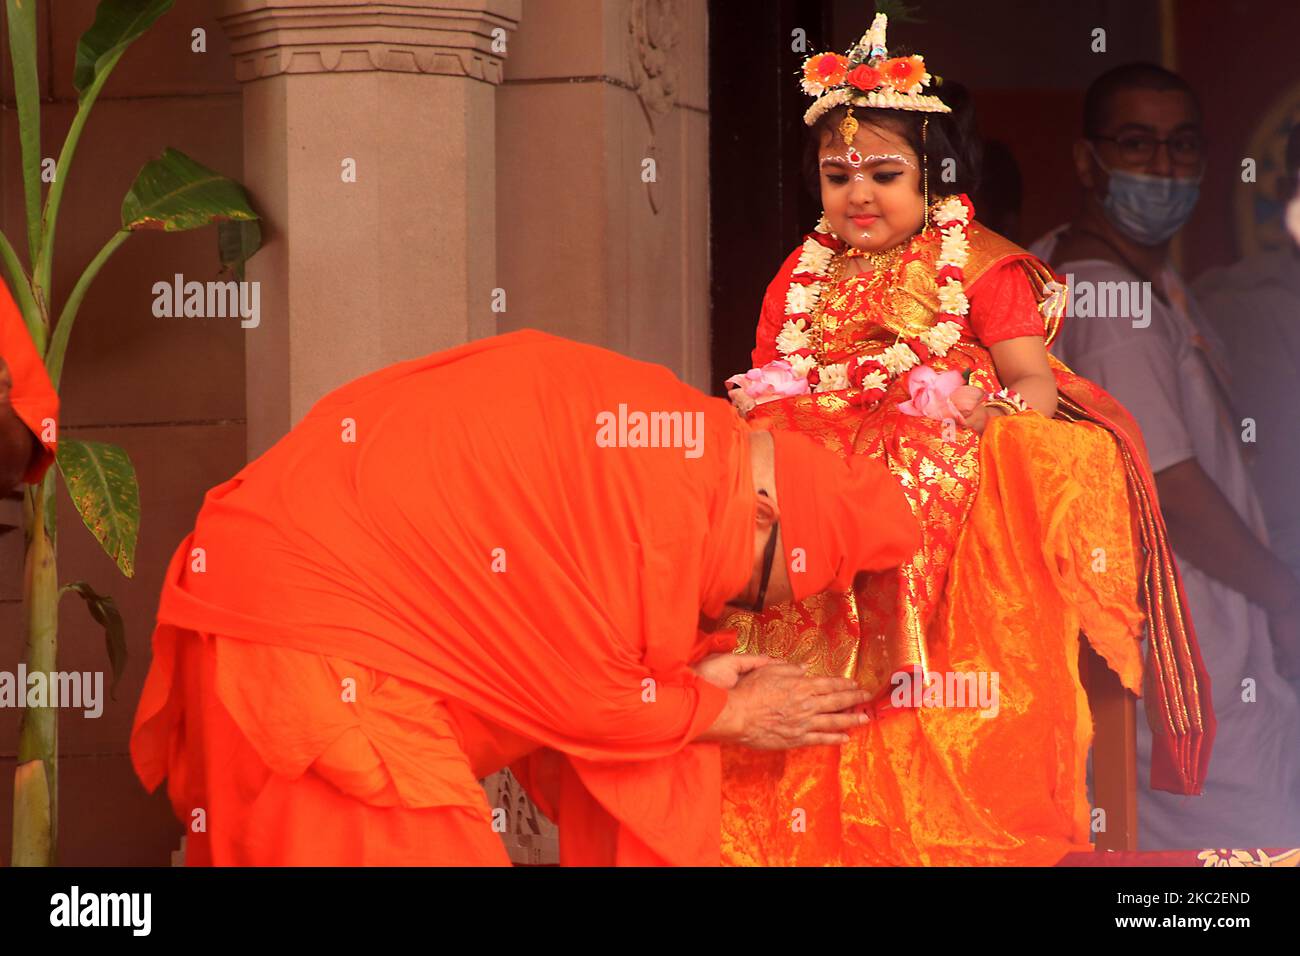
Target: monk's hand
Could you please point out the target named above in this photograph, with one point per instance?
(725, 670)
(781, 707)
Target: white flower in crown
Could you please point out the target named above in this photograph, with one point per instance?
(876, 379)
(801, 365)
(954, 249)
(951, 209)
(811, 87)
(827, 102)
(952, 299)
(833, 377)
(941, 338)
(793, 337)
(874, 39)
(898, 358)
(800, 299)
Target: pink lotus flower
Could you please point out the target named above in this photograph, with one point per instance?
(939, 395)
(774, 380)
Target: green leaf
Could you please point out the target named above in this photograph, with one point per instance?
(118, 24)
(898, 12)
(104, 610)
(174, 193)
(237, 240)
(27, 94)
(102, 484)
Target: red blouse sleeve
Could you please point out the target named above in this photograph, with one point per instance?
(1003, 305)
(772, 315)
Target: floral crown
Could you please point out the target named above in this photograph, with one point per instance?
(867, 76)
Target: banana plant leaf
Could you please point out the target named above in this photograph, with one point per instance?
(237, 240)
(118, 24)
(174, 193)
(101, 482)
(104, 610)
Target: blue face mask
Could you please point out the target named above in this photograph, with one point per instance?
(1148, 209)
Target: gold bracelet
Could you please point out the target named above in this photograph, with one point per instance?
(1008, 400)
(1003, 406)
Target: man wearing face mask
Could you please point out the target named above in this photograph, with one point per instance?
(1137, 331)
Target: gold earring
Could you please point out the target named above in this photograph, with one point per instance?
(925, 172)
(824, 225)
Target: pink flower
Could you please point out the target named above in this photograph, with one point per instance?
(933, 393)
(774, 380)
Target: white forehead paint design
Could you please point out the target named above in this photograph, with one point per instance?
(857, 159)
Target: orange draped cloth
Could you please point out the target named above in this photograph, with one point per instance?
(1034, 533)
(439, 571)
(33, 397)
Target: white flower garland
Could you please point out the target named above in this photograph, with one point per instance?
(802, 299)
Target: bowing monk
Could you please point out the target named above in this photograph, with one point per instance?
(29, 405)
(507, 554)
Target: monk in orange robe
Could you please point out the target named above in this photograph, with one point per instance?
(510, 553)
(29, 406)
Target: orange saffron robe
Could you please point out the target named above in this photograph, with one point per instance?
(33, 397)
(438, 572)
(1015, 527)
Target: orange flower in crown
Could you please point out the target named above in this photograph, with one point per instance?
(824, 72)
(904, 73)
(868, 76)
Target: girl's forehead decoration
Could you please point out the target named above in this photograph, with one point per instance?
(855, 158)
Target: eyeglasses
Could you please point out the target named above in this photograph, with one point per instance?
(1138, 149)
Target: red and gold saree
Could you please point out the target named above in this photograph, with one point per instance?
(1033, 534)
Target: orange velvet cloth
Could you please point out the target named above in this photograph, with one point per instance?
(33, 397)
(449, 532)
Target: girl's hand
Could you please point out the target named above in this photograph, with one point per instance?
(743, 403)
(968, 400)
(979, 417)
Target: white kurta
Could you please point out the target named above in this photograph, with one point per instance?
(1163, 374)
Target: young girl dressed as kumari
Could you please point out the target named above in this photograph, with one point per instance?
(903, 329)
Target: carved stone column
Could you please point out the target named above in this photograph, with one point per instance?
(369, 149)
(603, 186)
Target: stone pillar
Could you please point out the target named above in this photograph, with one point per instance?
(602, 178)
(369, 150)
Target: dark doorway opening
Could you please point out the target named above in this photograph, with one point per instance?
(759, 207)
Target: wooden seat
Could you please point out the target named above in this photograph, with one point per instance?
(1114, 751)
